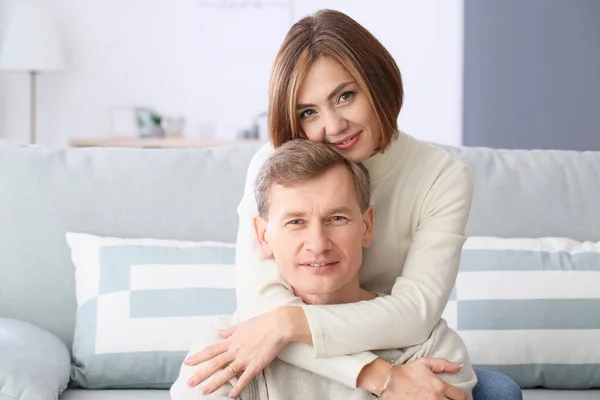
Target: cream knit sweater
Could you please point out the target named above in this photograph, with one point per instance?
(283, 381)
(422, 197)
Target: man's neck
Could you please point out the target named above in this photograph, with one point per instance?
(351, 293)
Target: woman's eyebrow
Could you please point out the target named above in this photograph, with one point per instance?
(333, 93)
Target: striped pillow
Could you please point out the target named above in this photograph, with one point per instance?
(141, 304)
(530, 308)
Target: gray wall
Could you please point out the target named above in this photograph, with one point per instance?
(532, 74)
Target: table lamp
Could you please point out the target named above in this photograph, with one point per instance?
(31, 45)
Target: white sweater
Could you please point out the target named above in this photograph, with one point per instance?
(283, 381)
(422, 197)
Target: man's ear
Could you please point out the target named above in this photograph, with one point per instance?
(260, 229)
(368, 220)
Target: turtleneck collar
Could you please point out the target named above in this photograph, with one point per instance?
(382, 163)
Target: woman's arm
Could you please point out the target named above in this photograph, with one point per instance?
(404, 318)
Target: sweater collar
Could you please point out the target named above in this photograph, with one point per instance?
(382, 163)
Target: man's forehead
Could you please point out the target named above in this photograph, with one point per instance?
(292, 201)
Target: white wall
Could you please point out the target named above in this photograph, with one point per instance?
(212, 65)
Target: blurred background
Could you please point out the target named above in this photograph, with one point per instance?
(497, 73)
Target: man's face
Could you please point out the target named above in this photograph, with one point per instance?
(316, 233)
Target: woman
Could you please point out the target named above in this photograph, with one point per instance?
(332, 81)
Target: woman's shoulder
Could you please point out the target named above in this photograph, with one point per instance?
(261, 155)
(431, 155)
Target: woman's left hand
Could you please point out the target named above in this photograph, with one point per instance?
(247, 349)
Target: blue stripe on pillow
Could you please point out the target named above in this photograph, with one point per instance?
(522, 260)
(187, 302)
(528, 314)
(115, 261)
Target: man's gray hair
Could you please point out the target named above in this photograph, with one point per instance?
(301, 160)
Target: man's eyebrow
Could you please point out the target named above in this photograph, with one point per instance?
(333, 93)
(339, 210)
(293, 214)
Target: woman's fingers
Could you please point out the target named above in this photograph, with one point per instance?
(207, 353)
(243, 382)
(208, 369)
(454, 393)
(225, 333)
(221, 378)
(439, 365)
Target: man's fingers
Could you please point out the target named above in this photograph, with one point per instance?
(207, 353)
(454, 393)
(439, 365)
(225, 333)
(242, 382)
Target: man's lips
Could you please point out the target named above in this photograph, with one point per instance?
(319, 264)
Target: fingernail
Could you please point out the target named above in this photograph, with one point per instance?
(461, 365)
(187, 362)
(191, 382)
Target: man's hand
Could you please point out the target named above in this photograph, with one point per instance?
(413, 381)
(247, 349)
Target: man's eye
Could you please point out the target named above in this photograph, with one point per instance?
(295, 222)
(338, 218)
(307, 113)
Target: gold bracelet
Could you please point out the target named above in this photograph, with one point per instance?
(387, 381)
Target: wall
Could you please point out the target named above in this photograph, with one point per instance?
(212, 65)
(532, 74)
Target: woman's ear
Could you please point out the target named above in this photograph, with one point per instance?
(260, 230)
(368, 220)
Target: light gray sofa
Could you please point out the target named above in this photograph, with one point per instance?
(192, 194)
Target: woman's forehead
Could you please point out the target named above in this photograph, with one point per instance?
(322, 77)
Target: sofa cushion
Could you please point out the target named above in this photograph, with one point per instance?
(530, 308)
(141, 304)
(34, 364)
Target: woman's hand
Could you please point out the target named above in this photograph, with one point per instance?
(413, 381)
(247, 349)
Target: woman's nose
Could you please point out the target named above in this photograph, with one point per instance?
(335, 124)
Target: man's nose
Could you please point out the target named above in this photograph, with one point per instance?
(335, 124)
(317, 240)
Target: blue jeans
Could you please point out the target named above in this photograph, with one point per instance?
(493, 385)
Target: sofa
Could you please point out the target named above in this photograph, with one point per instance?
(192, 195)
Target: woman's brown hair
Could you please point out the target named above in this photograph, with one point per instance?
(333, 34)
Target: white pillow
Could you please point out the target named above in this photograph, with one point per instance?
(142, 303)
(530, 308)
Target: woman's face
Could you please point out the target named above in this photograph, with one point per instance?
(332, 108)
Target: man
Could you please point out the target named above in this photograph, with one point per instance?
(314, 221)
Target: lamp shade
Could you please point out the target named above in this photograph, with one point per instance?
(31, 41)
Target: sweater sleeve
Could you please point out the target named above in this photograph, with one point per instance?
(259, 289)
(419, 295)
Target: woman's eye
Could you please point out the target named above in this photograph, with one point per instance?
(307, 113)
(346, 96)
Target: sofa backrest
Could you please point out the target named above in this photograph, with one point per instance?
(181, 194)
(533, 193)
(192, 194)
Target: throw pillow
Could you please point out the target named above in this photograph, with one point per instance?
(530, 308)
(142, 303)
(34, 363)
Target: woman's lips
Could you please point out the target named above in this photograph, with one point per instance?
(348, 143)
